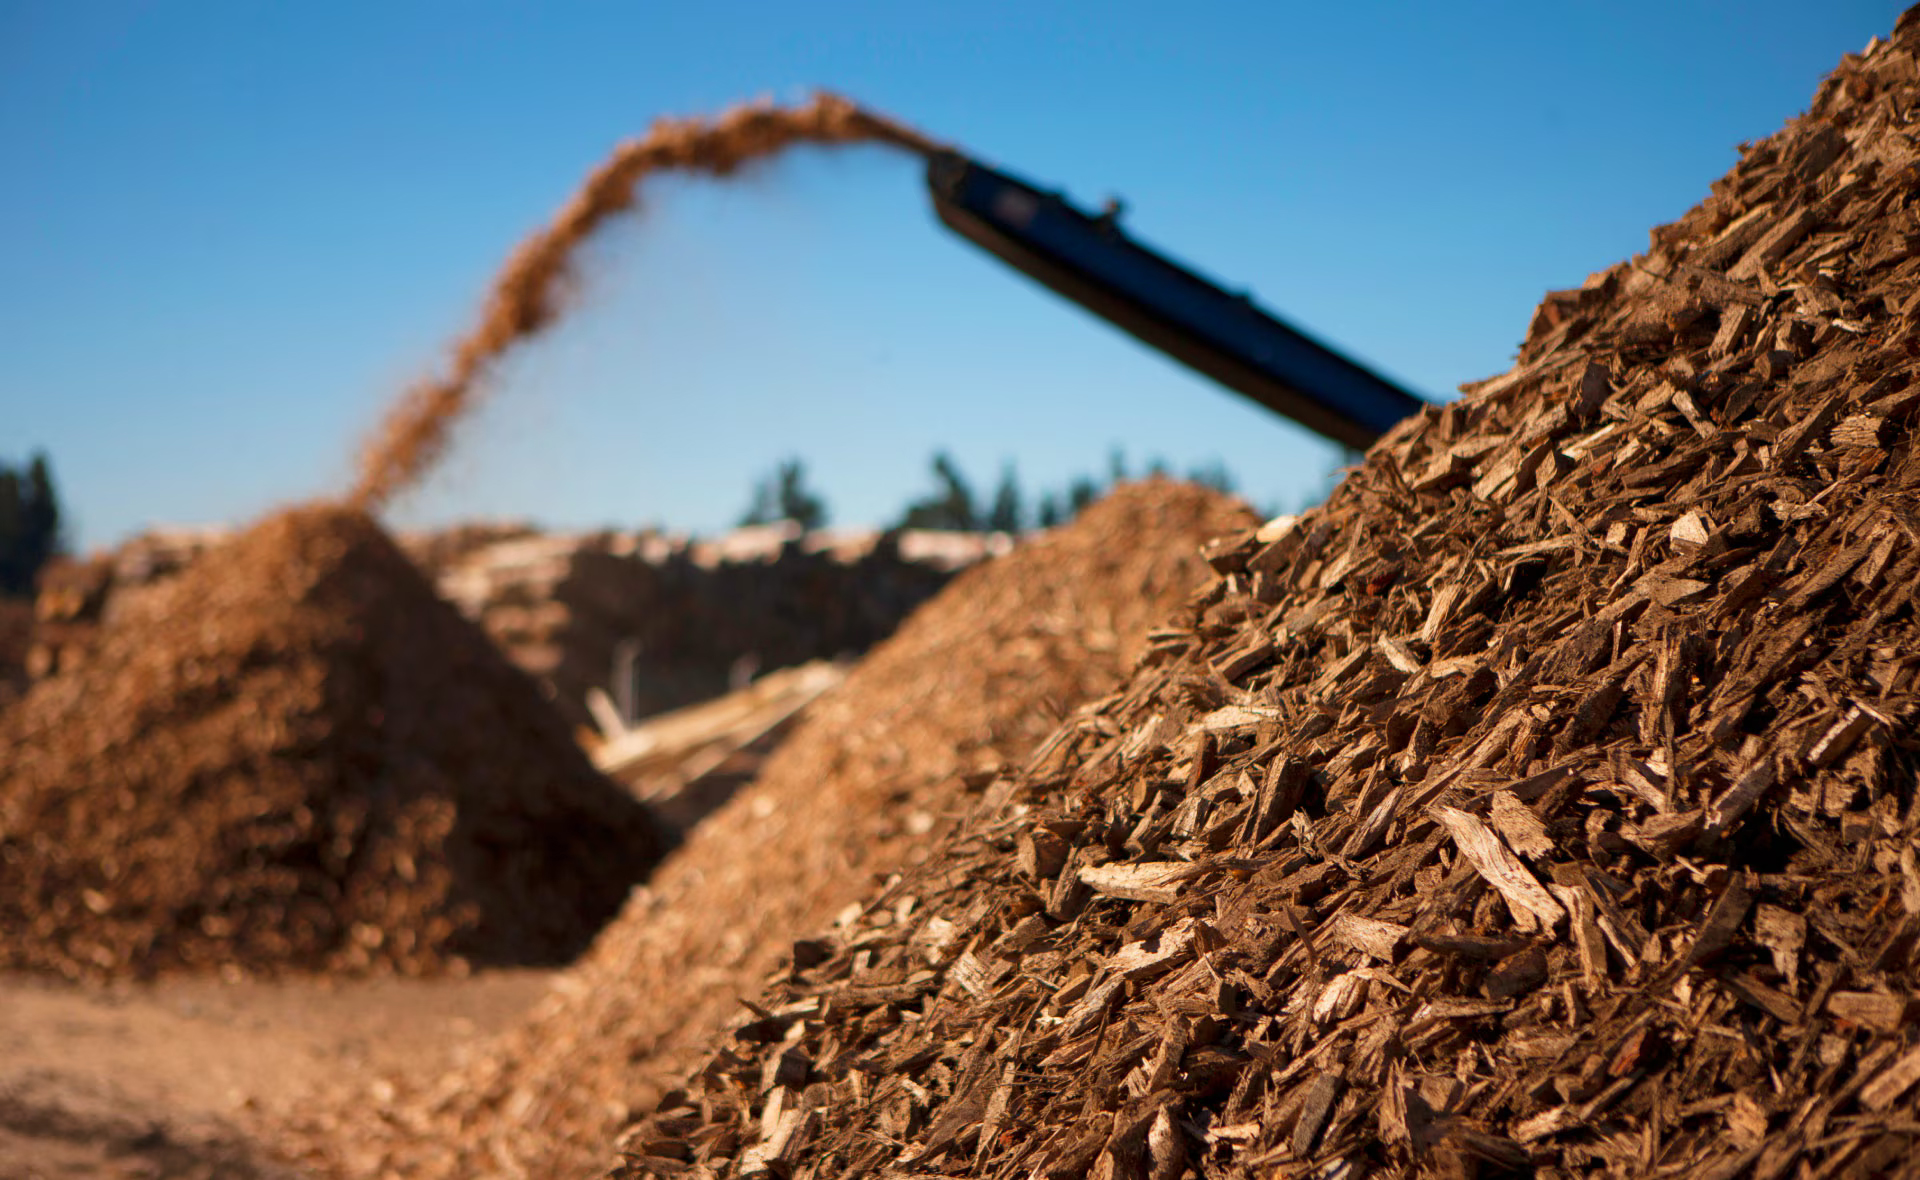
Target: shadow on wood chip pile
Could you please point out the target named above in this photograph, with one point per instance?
(880, 766)
(1544, 803)
(293, 755)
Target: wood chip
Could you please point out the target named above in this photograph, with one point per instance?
(1152, 881)
(1529, 900)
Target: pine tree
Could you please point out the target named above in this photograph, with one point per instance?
(784, 495)
(1048, 514)
(1082, 492)
(760, 510)
(1213, 474)
(16, 576)
(1007, 512)
(950, 507)
(797, 502)
(39, 516)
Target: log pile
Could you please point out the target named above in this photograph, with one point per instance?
(685, 763)
(436, 551)
(676, 621)
(293, 756)
(1544, 804)
(876, 770)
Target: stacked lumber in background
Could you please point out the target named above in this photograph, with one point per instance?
(294, 756)
(879, 766)
(685, 763)
(1544, 804)
(436, 551)
(664, 622)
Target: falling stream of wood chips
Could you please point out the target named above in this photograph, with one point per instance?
(532, 290)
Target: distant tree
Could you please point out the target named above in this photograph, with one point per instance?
(799, 503)
(16, 577)
(1007, 513)
(1048, 514)
(1213, 474)
(29, 524)
(950, 507)
(40, 513)
(1080, 493)
(784, 495)
(760, 508)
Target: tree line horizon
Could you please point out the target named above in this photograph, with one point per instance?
(33, 524)
(952, 505)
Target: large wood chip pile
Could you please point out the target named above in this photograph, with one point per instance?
(1544, 803)
(292, 755)
(878, 768)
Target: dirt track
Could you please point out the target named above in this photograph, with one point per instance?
(169, 1082)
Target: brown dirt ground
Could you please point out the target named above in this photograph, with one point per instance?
(171, 1081)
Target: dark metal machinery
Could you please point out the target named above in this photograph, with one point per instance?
(1090, 260)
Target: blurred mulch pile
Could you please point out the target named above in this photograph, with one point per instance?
(78, 595)
(1544, 804)
(292, 755)
(877, 769)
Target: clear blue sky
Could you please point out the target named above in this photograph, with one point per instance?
(232, 230)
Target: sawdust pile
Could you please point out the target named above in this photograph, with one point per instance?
(538, 279)
(293, 755)
(970, 682)
(1544, 804)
